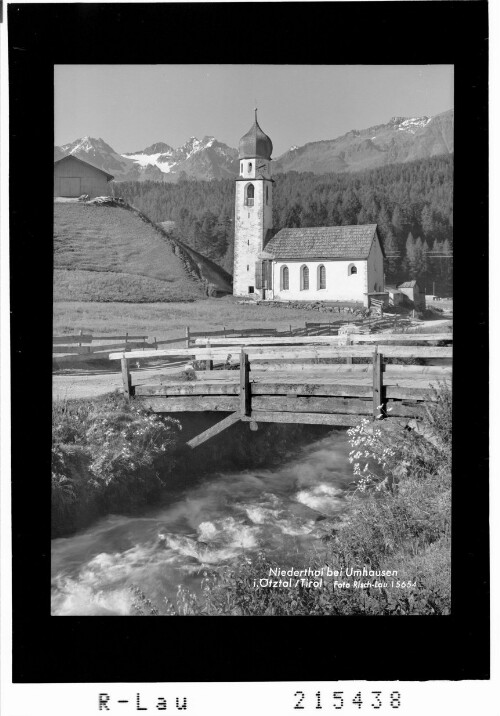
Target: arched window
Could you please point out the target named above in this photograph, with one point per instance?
(249, 194)
(267, 195)
(249, 166)
(241, 167)
(304, 278)
(285, 282)
(321, 277)
(352, 269)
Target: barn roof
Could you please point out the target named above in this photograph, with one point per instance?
(323, 242)
(408, 284)
(72, 156)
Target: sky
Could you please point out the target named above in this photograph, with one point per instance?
(133, 106)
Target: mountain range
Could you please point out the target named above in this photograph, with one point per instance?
(400, 140)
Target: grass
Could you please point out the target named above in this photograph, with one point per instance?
(169, 320)
(110, 254)
(110, 286)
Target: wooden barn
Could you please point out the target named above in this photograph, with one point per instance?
(74, 177)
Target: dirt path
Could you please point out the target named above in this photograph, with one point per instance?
(90, 384)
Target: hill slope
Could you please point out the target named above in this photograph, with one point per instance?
(107, 253)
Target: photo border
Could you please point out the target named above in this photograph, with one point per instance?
(123, 649)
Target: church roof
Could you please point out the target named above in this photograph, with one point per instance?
(255, 143)
(323, 242)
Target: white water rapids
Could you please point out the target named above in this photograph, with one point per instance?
(224, 517)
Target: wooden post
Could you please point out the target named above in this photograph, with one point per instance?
(209, 364)
(244, 384)
(348, 342)
(377, 383)
(291, 330)
(187, 337)
(127, 382)
(80, 334)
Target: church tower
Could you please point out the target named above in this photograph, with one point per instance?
(253, 212)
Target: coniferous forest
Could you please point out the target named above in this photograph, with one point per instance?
(412, 204)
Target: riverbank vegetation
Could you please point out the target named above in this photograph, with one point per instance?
(398, 520)
(107, 456)
(112, 456)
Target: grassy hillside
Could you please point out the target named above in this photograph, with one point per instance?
(104, 253)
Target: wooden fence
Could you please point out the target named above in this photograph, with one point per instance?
(88, 347)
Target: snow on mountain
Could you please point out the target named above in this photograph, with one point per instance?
(167, 159)
(411, 124)
(402, 139)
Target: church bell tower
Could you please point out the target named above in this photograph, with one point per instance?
(253, 212)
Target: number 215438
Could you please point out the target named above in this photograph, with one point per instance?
(338, 700)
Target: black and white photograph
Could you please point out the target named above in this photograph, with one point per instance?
(253, 340)
(248, 349)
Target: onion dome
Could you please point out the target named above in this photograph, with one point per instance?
(255, 143)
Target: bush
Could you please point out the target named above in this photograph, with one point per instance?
(107, 455)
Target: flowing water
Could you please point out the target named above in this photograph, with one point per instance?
(227, 516)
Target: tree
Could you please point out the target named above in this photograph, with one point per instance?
(410, 259)
(392, 261)
(427, 221)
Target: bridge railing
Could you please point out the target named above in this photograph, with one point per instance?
(306, 353)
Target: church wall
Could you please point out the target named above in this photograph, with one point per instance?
(340, 285)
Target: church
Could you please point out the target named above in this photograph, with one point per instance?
(319, 263)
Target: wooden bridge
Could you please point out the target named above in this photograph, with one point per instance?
(327, 380)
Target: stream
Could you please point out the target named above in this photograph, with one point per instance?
(214, 523)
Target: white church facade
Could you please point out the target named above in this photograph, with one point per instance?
(325, 263)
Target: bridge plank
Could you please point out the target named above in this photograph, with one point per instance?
(282, 352)
(181, 404)
(359, 390)
(353, 351)
(188, 388)
(353, 406)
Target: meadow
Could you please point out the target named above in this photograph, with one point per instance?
(168, 320)
(109, 254)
